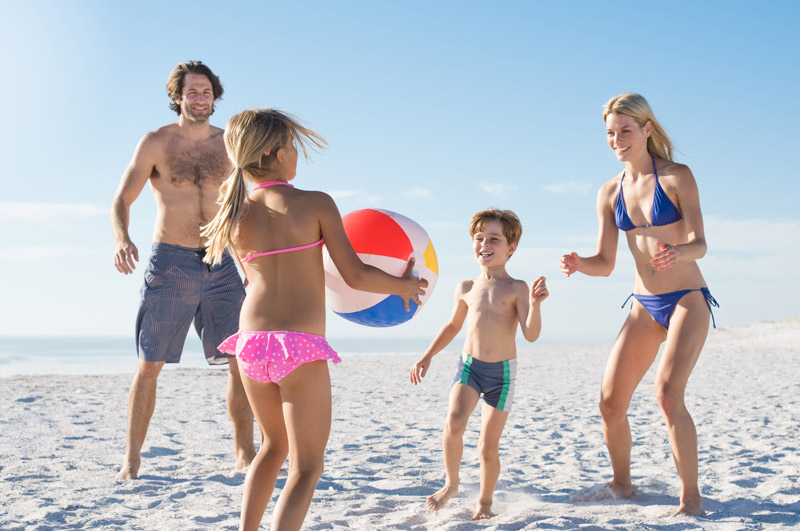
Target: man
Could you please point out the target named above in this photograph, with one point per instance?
(185, 163)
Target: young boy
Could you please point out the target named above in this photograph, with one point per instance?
(493, 304)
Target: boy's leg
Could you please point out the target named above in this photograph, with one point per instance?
(463, 400)
(492, 423)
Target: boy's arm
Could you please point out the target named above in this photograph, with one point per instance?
(443, 338)
(529, 308)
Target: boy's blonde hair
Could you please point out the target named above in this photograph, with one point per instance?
(252, 139)
(635, 106)
(512, 227)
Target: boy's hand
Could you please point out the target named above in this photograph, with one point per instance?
(569, 263)
(415, 286)
(539, 291)
(420, 369)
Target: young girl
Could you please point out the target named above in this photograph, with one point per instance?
(278, 232)
(655, 202)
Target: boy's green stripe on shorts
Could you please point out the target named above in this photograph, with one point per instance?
(501, 404)
(465, 371)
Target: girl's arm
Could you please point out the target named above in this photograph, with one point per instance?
(356, 273)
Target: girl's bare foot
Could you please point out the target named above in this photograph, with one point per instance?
(441, 497)
(483, 512)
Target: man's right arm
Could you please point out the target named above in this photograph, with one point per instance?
(133, 180)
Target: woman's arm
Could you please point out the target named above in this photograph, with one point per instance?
(689, 204)
(602, 263)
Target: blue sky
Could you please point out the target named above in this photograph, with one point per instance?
(432, 109)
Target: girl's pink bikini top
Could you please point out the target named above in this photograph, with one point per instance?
(278, 251)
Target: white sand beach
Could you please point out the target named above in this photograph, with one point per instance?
(62, 440)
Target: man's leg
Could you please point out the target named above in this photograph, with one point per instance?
(141, 404)
(241, 418)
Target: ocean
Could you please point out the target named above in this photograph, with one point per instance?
(111, 355)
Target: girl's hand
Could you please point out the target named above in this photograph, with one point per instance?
(539, 291)
(415, 286)
(666, 258)
(569, 263)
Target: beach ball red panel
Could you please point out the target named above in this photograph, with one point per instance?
(386, 240)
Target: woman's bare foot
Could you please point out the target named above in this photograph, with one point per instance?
(441, 497)
(483, 512)
(693, 508)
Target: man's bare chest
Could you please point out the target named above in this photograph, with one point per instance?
(193, 165)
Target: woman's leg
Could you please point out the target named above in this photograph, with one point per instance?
(633, 353)
(687, 334)
(306, 394)
(265, 401)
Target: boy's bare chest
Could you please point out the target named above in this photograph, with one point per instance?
(491, 300)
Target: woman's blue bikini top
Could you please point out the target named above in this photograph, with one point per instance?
(663, 212)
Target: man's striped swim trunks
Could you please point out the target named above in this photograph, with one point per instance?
(494, 381)
(178, 289)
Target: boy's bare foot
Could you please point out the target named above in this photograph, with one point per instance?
(129, 470)
(690, 509)
(621, 491)
(610, 491)
(483, 512)
(441, 497)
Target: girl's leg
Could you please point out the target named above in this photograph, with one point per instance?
(463, 400)
(687, 334)
(492, 423)
(306, 394)
(633, 353)
(265, 401)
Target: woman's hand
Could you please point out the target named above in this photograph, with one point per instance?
(666, 258)
(569, 263)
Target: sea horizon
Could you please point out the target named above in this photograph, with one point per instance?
(29, 355)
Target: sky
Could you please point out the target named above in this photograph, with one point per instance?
(433, 109)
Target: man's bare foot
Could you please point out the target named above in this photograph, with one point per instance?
(243, 461)
(694, 508)
(441, 497)
(483, 512)
(129, 470)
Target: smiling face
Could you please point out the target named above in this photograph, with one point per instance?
(626, 137)
(197, 98)
(490, 246)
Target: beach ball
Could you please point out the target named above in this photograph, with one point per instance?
(386, 240)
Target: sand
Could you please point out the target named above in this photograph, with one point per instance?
(62, 440)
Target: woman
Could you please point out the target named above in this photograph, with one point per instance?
(656, 203)
(277, 232)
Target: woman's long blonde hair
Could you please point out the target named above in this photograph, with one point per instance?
(252, 139)
(635, 106)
